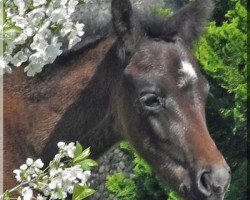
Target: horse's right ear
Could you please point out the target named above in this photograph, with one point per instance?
(126, 26)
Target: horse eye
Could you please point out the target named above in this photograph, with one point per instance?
(150, 101)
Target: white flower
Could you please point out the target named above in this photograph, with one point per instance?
(33, 69)
(36, 16)
(28, 31)
(23, 167)
(21, 6)
(21, 39)
(79, 29)
(52, 51)
(57, 157)
(10, 46)
(18, 174)
(4, 65)
(73, 41)
(58, 195)
(56, 3)
(61, 145)
(56, 180)
(29, 161)
(67, 27)
(37, 58)
(87, 174)
(38, 163)
(68, 186)
(39, 2)
(39, 43)
(27, 193)
(64, 2)
(19, 58)
(72, 5)
(59, 15)
(70, 149)
(72, 173)
(19, 21)
(49, 9)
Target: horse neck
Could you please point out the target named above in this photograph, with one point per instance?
(91, 119)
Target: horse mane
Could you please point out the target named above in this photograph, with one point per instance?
(188, 22)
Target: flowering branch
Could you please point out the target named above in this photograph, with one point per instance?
(34, 30)
(66, 174)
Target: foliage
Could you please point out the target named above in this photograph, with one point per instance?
(66, 174)
(222, 53)
(121, 186)
(145, 184)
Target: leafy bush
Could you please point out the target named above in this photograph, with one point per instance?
(222, 53)
(144, 184)
(122, 187)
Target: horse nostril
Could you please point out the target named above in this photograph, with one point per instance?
(213, 182)
(204, 185)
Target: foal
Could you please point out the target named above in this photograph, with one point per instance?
(142, 84)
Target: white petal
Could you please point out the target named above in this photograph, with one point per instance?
(39, 164)
(61, 145)
(23, 167)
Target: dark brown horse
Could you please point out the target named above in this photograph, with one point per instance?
(142, 84)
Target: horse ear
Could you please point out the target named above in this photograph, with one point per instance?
(187, 23)
(126, 27)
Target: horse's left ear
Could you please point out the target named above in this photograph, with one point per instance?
(126, 26)
(187, 23)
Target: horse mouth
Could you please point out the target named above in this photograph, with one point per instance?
(181, 181)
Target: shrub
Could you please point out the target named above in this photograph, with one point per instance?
(144, 183)
(122, 187)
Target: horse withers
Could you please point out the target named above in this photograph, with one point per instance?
(141, 84)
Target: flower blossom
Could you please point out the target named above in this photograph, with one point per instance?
(40, 30)
(56, 181)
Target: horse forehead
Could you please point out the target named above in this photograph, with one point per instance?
(161, 58)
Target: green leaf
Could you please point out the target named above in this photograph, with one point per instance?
(83, 165)
(11, 32)
(173, 196)
(81, 192)
(6, 195)
(82, 156)
(60, 193)
(78, 149)
(87, 164)
(12, 29)
(90, 162)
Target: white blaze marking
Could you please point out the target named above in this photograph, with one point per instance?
(187, 72)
